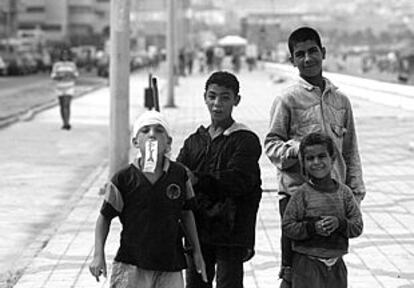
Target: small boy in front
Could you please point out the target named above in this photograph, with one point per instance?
(151, 197)
(311, 104)
(320, 218)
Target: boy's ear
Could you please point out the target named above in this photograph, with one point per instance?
(237, 99)
(292, 61)
(323, 53)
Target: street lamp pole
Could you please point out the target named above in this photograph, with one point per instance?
(119, 86)
(170, 52)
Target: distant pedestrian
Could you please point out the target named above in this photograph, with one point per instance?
(320, 218)
(219, 54)
(64, 74)
(224, 161)
(151, 197)
(311, 104)
(201, 58)
(181, 62)
(251, 56)
(210, 58)
(189, 59)
(236, 61)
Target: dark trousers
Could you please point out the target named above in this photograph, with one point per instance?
(312, 273)
(64, 103)
(285, 242)
(229, 272)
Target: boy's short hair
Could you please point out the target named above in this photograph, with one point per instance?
(151, 117)
(317, 138)
(225, 79)
(303, 34)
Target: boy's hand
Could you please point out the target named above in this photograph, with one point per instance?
(200, 265)
(319, 229)
(330, 223)
(193, 178)
(98, 267)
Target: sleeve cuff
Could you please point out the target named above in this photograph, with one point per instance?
(310, 228)
(343, 225)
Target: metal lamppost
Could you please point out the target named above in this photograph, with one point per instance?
(119, 85)
(170, 52)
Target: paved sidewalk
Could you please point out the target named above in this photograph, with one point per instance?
(382, 257)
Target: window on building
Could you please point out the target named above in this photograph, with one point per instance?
(80, 29)
(35, 9)
(51, 27)
(80, 9)
(100, 14)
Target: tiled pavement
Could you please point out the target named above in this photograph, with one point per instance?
(382, 257)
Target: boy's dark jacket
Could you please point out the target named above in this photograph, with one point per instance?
(228, 191)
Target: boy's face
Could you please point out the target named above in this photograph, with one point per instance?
(308, 57)
(220, 101)
(153, 132)
(317, 161)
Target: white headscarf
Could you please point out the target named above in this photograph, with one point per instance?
(151, 117)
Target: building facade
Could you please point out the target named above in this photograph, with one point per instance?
(8, 18)
(65, 20)
(149, 22)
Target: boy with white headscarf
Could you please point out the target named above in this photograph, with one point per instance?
(151, 197)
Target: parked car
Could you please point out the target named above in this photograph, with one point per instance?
(139, 60)
(3, 67)
(102, 64)
(15, 64)
(44, 61)
(29, 62)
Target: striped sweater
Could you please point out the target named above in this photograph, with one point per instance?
(64, 73)
(306, 207)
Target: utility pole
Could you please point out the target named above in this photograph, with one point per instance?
(119, 85)
(10, 12)
(171, 52)
(65, 21)
(12, 18)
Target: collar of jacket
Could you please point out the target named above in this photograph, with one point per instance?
(305, 84)
(236, 126)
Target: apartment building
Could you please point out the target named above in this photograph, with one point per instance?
(8, 18)
(149, 22)
(74, 20)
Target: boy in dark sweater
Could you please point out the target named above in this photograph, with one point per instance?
(224, 162)
(320, 218)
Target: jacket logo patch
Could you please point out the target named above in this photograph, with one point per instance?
(173, 191)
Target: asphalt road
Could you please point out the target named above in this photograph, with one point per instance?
(23, 95)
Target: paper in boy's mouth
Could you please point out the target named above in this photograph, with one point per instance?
(151, 154)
